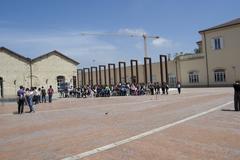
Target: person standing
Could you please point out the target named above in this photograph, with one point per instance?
(179, 87)
(151, 87)
(163, 87)
(50, 93)
(43, 94)
(167, 87)
(29, 98)
(21, 99)
(39, 95)
(236, 87)
(35, 95)
(158, 87)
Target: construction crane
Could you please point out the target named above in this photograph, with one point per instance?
(145, 37)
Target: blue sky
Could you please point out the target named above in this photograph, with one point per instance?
(35, 27)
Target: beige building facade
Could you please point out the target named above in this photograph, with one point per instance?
(216, 62)
(49, 69)
(221, 46)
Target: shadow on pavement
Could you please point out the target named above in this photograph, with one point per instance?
(230, 110)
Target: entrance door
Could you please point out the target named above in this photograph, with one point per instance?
(1, 87)
(60, 81)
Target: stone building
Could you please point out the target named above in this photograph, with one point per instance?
(49, 69)
(14, 71)
(52, 69)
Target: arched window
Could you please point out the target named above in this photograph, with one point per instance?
(193, 77)
(60, 80)
(1, 87)
(219, 75)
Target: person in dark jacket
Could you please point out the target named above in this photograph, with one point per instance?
(236, 87)
(43, 94)
(21, 99)
(163, 87)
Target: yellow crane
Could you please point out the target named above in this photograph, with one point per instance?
(145, 37)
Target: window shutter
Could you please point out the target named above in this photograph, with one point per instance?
(221, 42)
(213, 44)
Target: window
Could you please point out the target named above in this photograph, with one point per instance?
(193, 77)
(219, 75)
(172, 80)
(217, 43)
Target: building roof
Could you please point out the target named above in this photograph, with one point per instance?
(14, 54)
(55, 53)
(227, 24)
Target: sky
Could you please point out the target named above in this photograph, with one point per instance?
(35, 27)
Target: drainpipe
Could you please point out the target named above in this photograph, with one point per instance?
(205, 46)
(30, 62)
(176, 70)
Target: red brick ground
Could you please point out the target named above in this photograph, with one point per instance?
(71, 126)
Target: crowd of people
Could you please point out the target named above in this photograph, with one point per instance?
(117, 90)
(33, 96)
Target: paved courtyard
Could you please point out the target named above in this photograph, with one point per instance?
(197, 124)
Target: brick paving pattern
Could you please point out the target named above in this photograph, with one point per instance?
(71, 126)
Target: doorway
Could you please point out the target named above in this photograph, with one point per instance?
(60, 81)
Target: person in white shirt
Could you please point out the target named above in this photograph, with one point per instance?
(179, 87)
(29, 98)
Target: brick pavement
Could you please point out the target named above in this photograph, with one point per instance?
(68, 127)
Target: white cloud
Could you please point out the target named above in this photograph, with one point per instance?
(80, 48)
(156, 43)
(127, 31)
(85, 49)
(161, 43)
